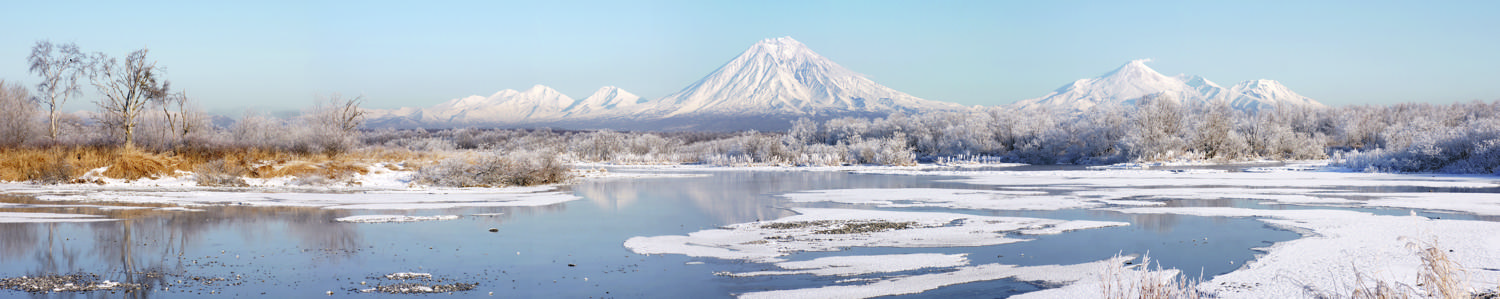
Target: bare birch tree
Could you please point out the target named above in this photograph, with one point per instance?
(127, 88)
(60, 66)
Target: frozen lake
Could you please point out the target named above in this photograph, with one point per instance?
(578, 248)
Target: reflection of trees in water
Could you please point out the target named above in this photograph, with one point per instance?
(731, 196)
(611, 195)
(17, 239)
(148, 240)
(1165, 222)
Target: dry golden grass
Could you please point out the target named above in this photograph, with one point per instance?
(67, 164)
(133, 164)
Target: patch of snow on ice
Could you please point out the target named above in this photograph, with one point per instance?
(407, 275)
(23, 217)
(392, 218)
(1050, 274)
(437, 198)
(836, 229)
(864, 264)
(944, 198)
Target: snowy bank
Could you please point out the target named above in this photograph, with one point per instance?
(1338, 244)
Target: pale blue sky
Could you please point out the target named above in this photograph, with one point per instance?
(274, 55)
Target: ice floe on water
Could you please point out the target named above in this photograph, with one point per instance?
(899, 285)
(944, 198)
(836, 229)
(863, 264)
(1338, 244)
(19, 217)
(370, 200)
(393, 218)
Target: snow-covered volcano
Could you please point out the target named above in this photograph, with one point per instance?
(781, 76)
(1134, 80)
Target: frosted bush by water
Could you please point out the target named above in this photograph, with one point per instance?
(492, 169)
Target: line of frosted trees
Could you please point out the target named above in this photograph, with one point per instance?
(138, 108)
(1462, 137)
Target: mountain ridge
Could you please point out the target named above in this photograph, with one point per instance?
(1134, 80)
(775, 80)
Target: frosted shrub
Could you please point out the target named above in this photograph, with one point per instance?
(1472, 149)
(883, 151)
(218, 173)
(491, 169)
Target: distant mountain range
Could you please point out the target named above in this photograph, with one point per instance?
(1134, 80)
(770, 84)
(778, 80)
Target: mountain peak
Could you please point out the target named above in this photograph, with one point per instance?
(1135, 68)
(783, 76)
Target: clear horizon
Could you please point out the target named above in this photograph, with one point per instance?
(272, 56)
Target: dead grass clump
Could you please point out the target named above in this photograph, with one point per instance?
(866, 227)
(1142, 282)
(220, 173)
(1441, 277)
(132, 164)
(796, 224)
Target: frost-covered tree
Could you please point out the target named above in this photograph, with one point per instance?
(1156, 128)
(126, 88)
(60, 66)
(17, 114)
(1215, 136)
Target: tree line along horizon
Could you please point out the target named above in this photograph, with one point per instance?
(138, 109)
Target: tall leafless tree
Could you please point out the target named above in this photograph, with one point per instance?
(60, 66)
(127, 88)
